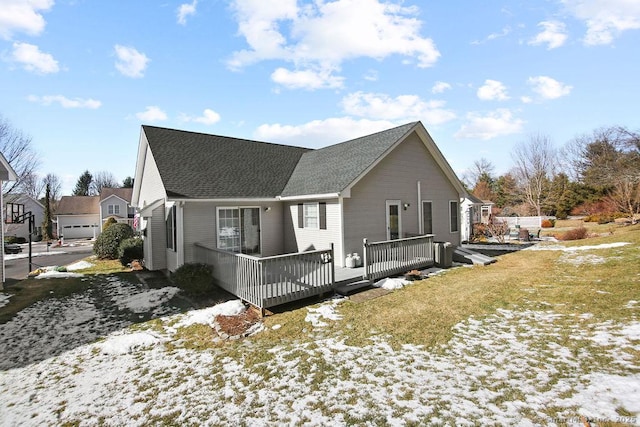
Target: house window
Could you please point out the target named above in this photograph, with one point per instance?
(427, 218)
(113, 209)
(454, 216)
(239, 230)
(229, 229)
(310, 215)
(171, 228)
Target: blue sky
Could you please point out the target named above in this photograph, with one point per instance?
(80, 77)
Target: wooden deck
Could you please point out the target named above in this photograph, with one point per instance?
(270, 281)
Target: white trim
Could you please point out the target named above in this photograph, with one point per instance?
(180, 234)
(311, 197)
(340, 260)
(113, 195)
(420, 219)
(147, 211)
(141, 160)
(389, 203)
(235, 200)
(11, 174)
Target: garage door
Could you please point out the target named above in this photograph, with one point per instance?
(78, 231)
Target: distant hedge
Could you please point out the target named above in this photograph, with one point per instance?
(130, 249)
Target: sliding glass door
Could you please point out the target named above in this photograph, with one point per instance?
(239, 230)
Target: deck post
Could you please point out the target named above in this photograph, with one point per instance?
(333, 267)
(364, 259)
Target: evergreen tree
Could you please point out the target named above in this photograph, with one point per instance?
(127, 182)
(83, 185)
(47, 225)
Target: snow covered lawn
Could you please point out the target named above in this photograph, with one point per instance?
(80, 359)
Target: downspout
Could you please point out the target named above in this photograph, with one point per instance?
(180, 234)
(341, 249)
(420, 222)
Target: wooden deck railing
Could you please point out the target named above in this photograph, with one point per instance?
(384, 259)
(270, 281)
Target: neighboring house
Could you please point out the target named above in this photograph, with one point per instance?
(116, 203)
(27, 204)
(266, 199)
(474, 211)
(6, 174)
(78, 217)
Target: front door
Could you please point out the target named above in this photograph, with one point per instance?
(250, 230)
(394, 225)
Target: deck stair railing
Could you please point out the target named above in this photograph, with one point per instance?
(389, 257)
(269, 281)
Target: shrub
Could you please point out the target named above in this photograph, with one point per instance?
(548, 223)
(10, 239)
(108, 243)
(110, 221)
(130, 249)
(574, 234)
(195, 279)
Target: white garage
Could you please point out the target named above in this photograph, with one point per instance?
(78, 217)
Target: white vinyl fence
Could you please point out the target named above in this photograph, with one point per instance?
(524, 221)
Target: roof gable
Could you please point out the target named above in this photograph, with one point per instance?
(122, 193)
(196, 165)
(334, 168)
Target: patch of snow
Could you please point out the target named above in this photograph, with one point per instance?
(33, 254)
(572, 258)
(276, 327)
(326, 310)
(544, 247)
(53, 274)
(631, 304)
(127, 343)
(392, 283)
(79, 265)
(4, 299)
(206, 316)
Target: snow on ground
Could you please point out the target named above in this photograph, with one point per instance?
(79, 265)
(391, 283)
(4, 299)
(545, 247)
(326, 311)
(51, 274)
(507, 369)
(206, 316)
(34, 254)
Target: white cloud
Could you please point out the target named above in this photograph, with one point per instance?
(306, 79)
(371, 76)
(440, 87)
(554, 34)
(130, 63)
(548, 88)
(605, 19)
(401, 108)
(32, 59)
(65, 102)
(209, 117)
(22, 16)
(358, 28)
(526, 99)
(492, 90)
(496, 123)
(493, 36)
(321, 133)
(186, 9)
(152, 114)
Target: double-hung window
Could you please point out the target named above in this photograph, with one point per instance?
(113, 209)
(310, 213)
(454, 216)
(171, 228)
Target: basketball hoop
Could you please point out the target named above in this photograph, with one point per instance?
(14, 213)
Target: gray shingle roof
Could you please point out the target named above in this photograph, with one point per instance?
(332, 169)
(123, 193)
(196, 165)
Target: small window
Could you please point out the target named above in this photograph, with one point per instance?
(171, 228)
(310, 215)
(427, 218)
(113, 209)
(454, 216)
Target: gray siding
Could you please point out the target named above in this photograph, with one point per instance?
(302, 239)
(156, 233)
(396, 178)
(115, 201)
(200, 226)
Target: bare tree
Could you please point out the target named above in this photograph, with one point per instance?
(534, 166)
(16, 148)
(103, 179)
(31, 185)
(481, 168)
(54, 184)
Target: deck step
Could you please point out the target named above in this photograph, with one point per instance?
(468, 256)
(349, 288)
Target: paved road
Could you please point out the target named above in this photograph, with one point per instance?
(18, 268)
